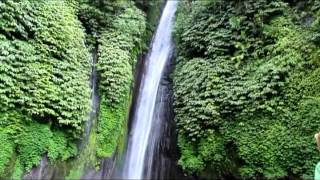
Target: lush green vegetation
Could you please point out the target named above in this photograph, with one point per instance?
(127, 36)
(119, 46)
(247, 88)
(44, 78)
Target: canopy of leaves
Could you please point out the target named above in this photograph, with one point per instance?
(245, 80)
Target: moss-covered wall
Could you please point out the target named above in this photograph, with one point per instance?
(45, 66)
(118, 51)
(44, 72)
(246, 87)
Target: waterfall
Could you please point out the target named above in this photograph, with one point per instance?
(141, 139)
(94, 100)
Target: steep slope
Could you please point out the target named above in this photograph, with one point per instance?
(44, 81)
(45, 67)
(247, 88)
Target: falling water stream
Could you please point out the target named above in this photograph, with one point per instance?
(141, 140)
(94, 100)
(151, 133)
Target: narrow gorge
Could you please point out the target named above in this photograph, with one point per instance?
(159, 89)
(147, 123)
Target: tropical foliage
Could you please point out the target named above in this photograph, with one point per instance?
(118, 50)
(44, 77)
(246, 87)
(43, 80)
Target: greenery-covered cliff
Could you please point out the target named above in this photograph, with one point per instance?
(247, 89)
(246, 84)
(46, 51)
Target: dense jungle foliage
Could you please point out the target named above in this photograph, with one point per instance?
(120, 46)
(247, 89)
(44, 82)
(246, 83)
(46, 50)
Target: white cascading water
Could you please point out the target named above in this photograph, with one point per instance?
(159, 53)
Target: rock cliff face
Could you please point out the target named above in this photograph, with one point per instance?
(149, 113)
(165, 153)
(46, 127)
